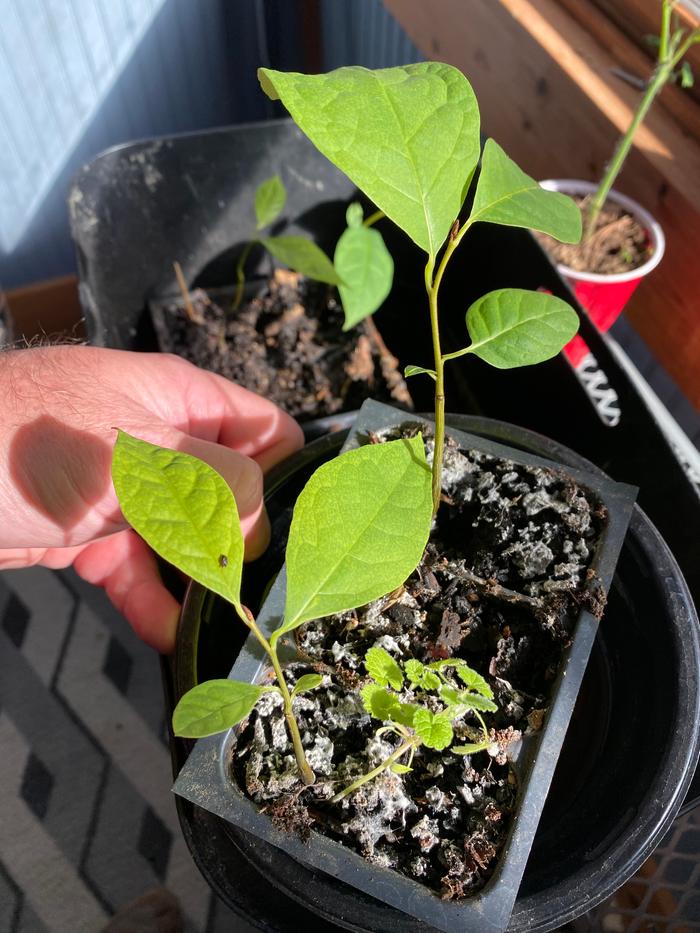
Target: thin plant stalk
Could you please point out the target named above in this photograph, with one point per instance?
(240, 276)
(412, 743)
(672, 49)
(439, 442)
(307, 774)
(187, 301)
(433, 280)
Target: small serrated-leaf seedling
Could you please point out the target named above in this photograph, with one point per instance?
(414, 722)
(362, 268)
(375, 500)
(408, 137)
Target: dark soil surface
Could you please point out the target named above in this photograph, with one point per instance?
(618, 244)
(288, 345)
(501, 584)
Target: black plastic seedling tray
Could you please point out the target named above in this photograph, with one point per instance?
(206, 781)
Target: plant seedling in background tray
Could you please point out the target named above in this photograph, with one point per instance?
(359, 529)
(408, 137)
(362, 268)
(299, 253)
(417, 724)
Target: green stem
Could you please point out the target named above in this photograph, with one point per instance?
(487, 740)
(373, 218)
(432, 289)
(307, 775)
(240, 276)
(668, 58)
(666, 12)
(621, 152)
(411, 743)
(457, 353)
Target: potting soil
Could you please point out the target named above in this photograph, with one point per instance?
(288, 345)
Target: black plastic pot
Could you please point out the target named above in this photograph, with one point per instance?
(587, 843)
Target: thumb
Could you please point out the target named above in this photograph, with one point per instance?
(245, 478)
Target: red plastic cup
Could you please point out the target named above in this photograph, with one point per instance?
(605, 296)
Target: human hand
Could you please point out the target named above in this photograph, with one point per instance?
(58, 507)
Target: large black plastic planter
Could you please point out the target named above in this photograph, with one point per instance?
(587, 843)
(204, 779)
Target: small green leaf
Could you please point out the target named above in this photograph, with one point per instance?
(449, 695)
(406, 713)
(365, 265)
(183, 509)
(383, 669)
(417, 371)
(506, 195)
(474, 680)
(430, 681)
(434, 729)
(476, 701)
(270, 198)
(354, 215)
(421, 676)
(306, 683)
(303, 256)
(515, 327)
(414, 671)
(359, 529)
(214, 706)
(407, 136)
(469, 749)
(400, 769)
(379, 702)
(687, 76)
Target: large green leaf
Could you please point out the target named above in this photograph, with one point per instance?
(270, 198)
(407, 136)
(214, 706)
(183, 509)
(359, 529)
(506, 195)
(303, 256)
(365, 265)
(515, 327)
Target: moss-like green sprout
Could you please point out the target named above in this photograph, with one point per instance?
(415, 723)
